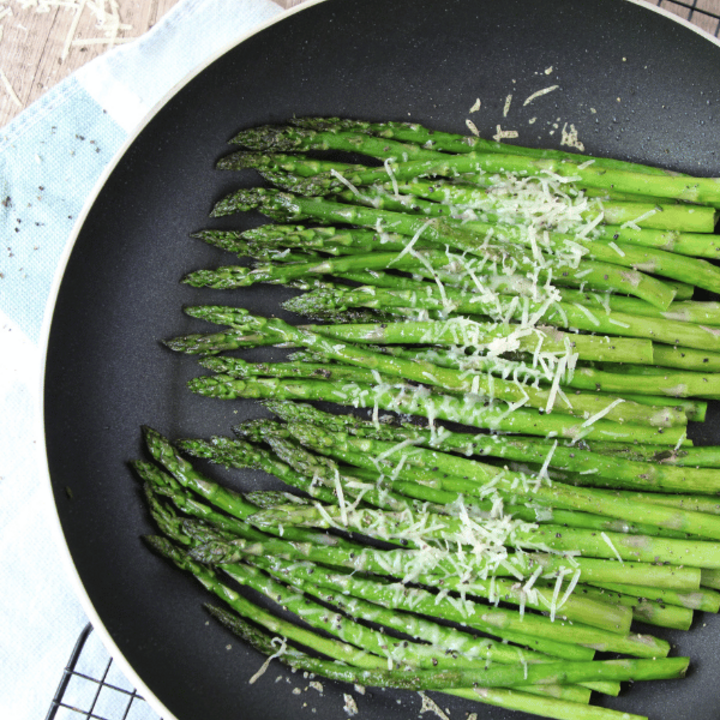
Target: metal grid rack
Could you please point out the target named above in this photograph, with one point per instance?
(93, 688)
(106, 694)
(703, 13)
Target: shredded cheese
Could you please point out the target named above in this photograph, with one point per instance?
(9, 88)
(539, 93)
(570, 137)
(429, 705)
(472, 127)
(263, 668)
(506, 107)
(605, 537)
(618, 250)
(599, 415)
(501, 134)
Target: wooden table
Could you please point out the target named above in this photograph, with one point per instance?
(42, 44)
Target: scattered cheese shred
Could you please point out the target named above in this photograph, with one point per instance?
(570, 138)
(617, 249)
(556, 594)
(350, 706)
(106, 13)
(539, 93)
(9, 88)
(506, 107)
(78, 42)
(543, 473)
(341, 498)
(605, 537)
(429, 705)
(569, 589)
(388, 169)
(599, 415)
(263, 668)
(72, 30)
(472, 127)
(339, 176)
(636, 222)
(501, 134)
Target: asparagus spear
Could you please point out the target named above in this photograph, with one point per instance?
(591, 466)
(649, 214)
(700, 190)
(583, 405)
(646, 611)
(502, 697)
(370, 599)
(474, 615)
(605, 378)
(520, 201)
(454, 271)
(344, 673)
(500, 337)
(271, 138)
(398, 490)
(468, 236)
(406, 399)
(347, 653)
(686, 358)
(471, 475)
(684, 218)
(423, 527)
(561, 314)
(701, 457)
(693, 244)
(704, 600)
(403, 622)
(415, 133)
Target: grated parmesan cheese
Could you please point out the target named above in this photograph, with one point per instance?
(605, 537)
(263, 668)
(539, 93)
(556, 593)
(472, 127)
(9, 89)
(570, 138)
(618, 250)
(506, 107)
(599, 415)
(501, 134)
(339, 176)
(350, 706)
(429, 705)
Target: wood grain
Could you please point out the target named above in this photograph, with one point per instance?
(32, 42)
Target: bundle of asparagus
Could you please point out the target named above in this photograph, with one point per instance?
(529, 317)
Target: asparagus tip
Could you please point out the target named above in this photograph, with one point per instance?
(161, 545)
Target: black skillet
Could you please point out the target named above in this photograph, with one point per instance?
(634, 83)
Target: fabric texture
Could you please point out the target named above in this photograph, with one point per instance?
(51, 157)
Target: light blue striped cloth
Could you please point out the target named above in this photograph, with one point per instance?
(51, 157)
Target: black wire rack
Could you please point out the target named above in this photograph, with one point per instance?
(703, 13)
(100, 691)
(93, 687)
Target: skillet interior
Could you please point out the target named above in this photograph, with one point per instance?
(635, 84)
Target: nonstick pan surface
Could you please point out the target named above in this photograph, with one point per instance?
(633, 83)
